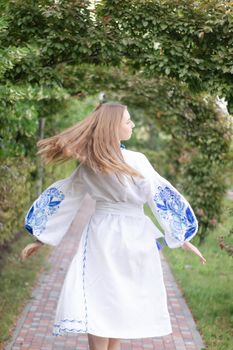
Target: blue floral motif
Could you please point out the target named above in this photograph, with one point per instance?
(172, 208)
(47, 204)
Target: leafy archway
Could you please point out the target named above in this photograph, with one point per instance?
(176, 52)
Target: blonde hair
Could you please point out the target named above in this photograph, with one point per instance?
(94, 141)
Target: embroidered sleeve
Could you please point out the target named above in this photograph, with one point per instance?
(45, 206)
(51, 214)
(171, 209)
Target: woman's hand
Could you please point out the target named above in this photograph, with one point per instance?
(192, 248)
(30, 249)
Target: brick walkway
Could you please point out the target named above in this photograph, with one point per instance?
(34, 328)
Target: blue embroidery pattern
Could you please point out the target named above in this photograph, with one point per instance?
(84, 265)
(70, 325)
(46, 205)
(172, 208)
(59, 328)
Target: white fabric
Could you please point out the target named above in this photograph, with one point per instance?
(114, 286)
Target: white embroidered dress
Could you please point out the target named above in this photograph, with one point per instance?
(114, 286)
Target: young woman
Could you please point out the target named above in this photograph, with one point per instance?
(114, 287)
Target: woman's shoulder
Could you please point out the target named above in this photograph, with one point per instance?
(134, 154)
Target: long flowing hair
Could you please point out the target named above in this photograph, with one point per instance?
(93, 141)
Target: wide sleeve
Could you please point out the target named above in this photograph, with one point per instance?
(51, 214)
(170, 208)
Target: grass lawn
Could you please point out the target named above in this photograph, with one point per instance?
(208, 289)
(17, 281)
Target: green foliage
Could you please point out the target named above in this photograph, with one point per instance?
(56, 52)
(188, 40)
(15, 194)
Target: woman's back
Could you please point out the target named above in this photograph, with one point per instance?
(116, 189)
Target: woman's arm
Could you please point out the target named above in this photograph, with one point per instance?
(30, 249)
(51, 214)
(171, 209)
(189, 246)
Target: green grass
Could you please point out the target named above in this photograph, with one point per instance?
(17, 281)
(208, 289)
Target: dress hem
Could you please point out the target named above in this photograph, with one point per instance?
(151, 334)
